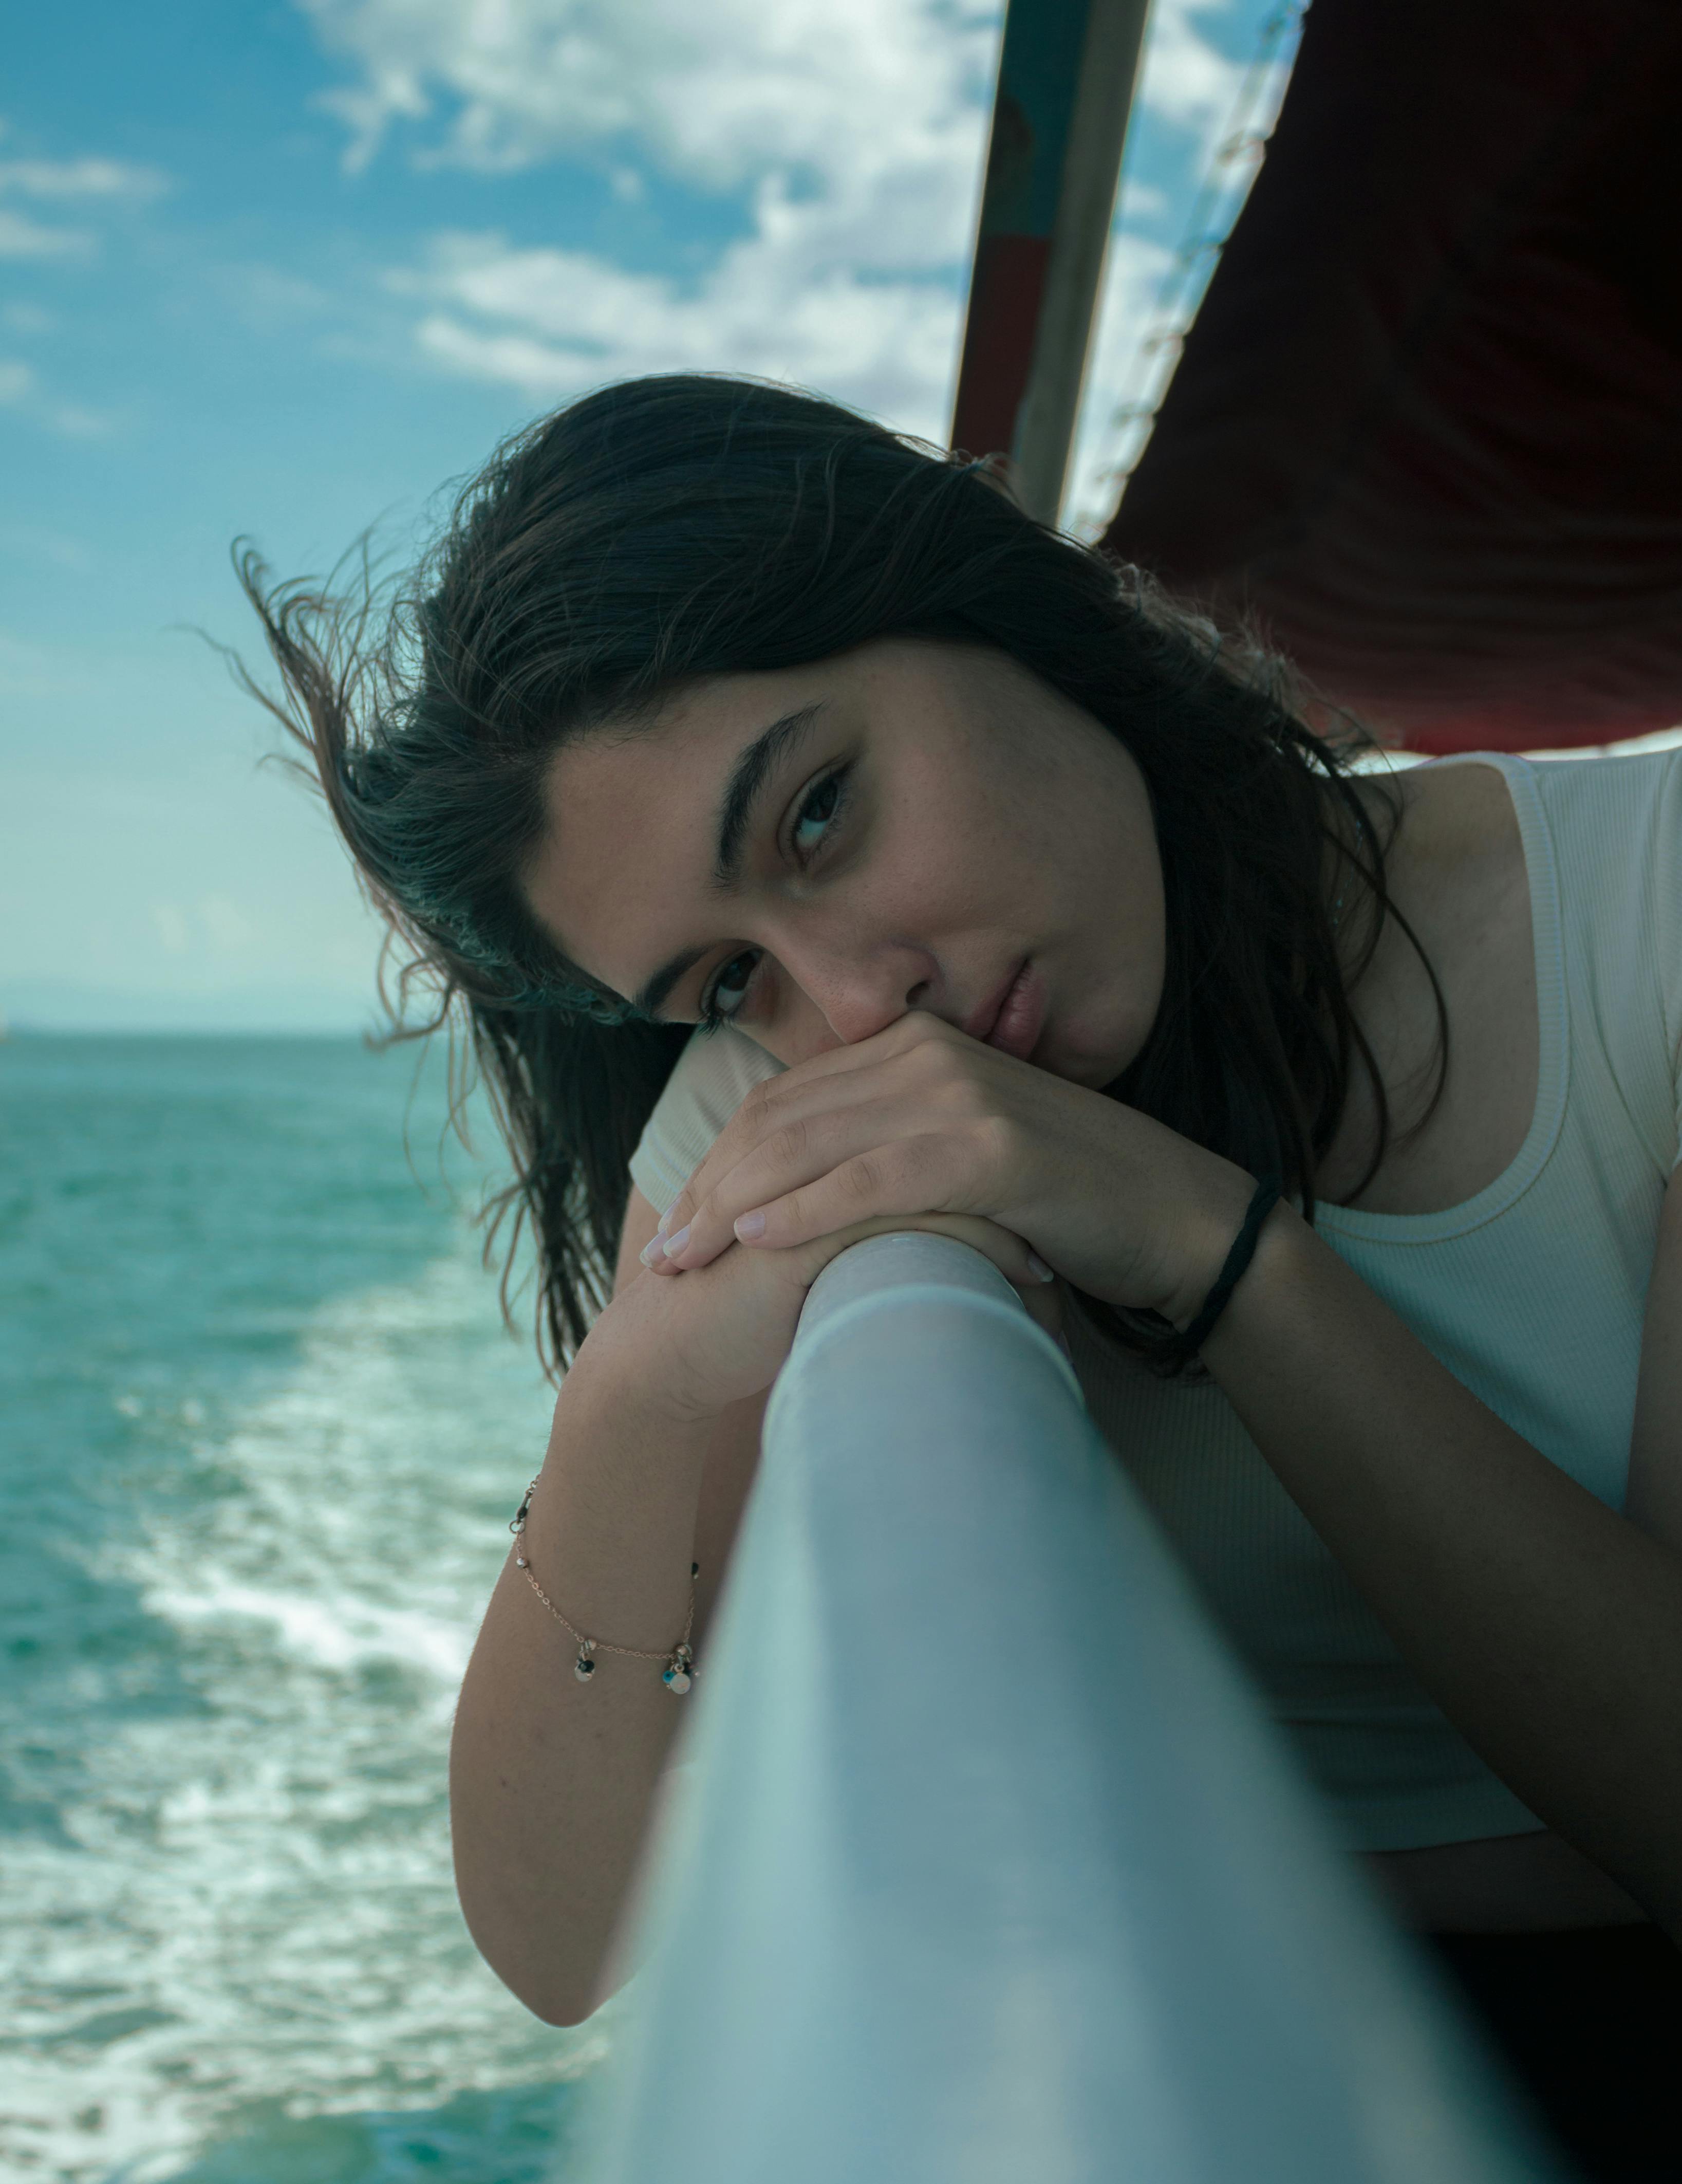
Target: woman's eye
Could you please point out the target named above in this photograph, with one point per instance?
(821, 809)
(729, 988)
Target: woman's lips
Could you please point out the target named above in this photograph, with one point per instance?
(1021, 1017)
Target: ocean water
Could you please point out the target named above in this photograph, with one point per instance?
(261, 1430)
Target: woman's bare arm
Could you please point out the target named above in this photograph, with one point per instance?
(656, 1437)
(1547, 1627)
(552, 1780)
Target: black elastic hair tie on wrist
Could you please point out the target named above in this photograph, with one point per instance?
(1268, 1192)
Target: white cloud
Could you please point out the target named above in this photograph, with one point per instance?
(856, 135)
(717, 94)
(269, 298)
(81, 178)
(19, 385)
(552, 322)
(93, 184)
(1133, 279)
(1146, 310)
(1185, 79)
(20, 237)
(76, 421)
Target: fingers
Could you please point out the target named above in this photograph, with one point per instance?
(808, 1123)
(781, 1152)
(944, 1169)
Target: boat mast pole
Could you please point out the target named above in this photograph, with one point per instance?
(1067, 69)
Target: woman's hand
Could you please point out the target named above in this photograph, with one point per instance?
(920, 1119)
(721, 1336)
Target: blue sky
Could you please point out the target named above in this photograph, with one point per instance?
(284, 270)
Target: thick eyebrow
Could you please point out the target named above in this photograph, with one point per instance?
(754, 765)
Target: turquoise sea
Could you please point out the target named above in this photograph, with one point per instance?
(260, 1433)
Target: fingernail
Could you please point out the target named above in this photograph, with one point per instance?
(652, 1251)
(665, 1219)
(1038, 1267)
(674, 1244)
(750, 1226)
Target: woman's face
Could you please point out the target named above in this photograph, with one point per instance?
(922, 820)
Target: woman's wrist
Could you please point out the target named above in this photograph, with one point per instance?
(619, 1456)
(1208, 1234)
(1234, 1268)
(631, 1366)
(1276, 1259)
(611, 1527)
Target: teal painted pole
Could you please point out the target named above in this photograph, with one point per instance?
(1067, 75)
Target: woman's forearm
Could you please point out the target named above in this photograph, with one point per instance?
(552, 1780)
(1547, 1627)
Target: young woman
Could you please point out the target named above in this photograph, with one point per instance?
(815, 846)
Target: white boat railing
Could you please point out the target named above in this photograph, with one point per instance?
(988, 1868)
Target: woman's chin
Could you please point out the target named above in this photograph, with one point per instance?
(1097, 1067)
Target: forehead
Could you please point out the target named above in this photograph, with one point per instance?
(626, 849)
(659, 774)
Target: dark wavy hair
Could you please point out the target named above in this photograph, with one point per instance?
(671, 529)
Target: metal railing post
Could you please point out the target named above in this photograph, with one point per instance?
(1066, 74)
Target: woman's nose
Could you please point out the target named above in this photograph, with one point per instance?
(858, 997)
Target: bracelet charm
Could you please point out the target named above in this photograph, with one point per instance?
(678, 1670)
